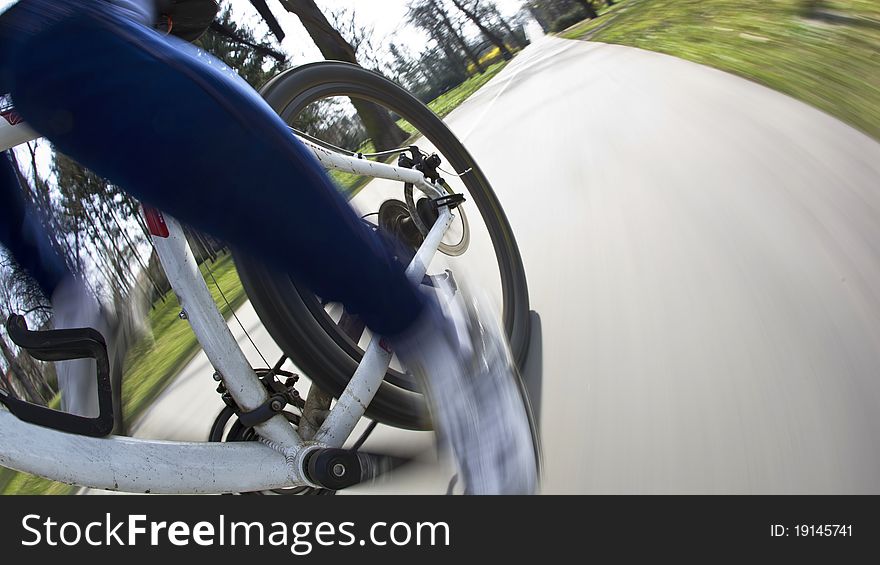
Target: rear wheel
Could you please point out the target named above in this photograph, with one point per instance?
(320, 337)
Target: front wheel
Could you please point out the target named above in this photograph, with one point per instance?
(326, 101)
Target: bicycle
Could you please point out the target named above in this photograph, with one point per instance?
(333, 349)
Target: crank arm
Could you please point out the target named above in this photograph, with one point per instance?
(336, 469)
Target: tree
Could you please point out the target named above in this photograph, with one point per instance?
(588, 8)
(429, 73)
(383, 129)
(456, 34)
(358, 36)
(269, 18)
(487, 33)
(6, 385)
(488, 11)
(20, 368)
(554, 15)
(239, 48)
(14, 368)
(91, 207)
(432, 17)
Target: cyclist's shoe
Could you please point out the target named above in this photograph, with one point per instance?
(477, 402)
(74, 306)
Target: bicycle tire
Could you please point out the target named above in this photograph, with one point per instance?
(279, 301)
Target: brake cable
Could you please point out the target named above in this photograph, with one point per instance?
(234, 315)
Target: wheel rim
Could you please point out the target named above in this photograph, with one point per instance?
(287, 319)
(330, 319)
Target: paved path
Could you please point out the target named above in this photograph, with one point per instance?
(703, 255)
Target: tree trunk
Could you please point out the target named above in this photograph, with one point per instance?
(78, 244)
(469, 53)
(7, 386)
(134, 251)
(17, 371)
(386, 134)
(106, 247)
(39, 196)
(122, 269)
(487, 33)
(452, 57)
(506, 26)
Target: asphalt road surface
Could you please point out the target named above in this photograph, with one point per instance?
(703, 256)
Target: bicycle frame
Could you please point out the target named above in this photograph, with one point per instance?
(136, 465)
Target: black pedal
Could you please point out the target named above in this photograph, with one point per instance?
(63, 345)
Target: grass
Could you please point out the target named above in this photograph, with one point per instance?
(443, 105)
(452, 99)
(151, 364)
(830, 60)
(493, 56)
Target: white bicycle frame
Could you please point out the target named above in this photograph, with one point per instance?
(136, 465)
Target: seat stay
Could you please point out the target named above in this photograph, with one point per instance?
(371, 371)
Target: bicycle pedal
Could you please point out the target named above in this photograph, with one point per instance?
(445, 278)
(63, 345)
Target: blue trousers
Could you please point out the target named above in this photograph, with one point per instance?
(22, 233)
(179, 131)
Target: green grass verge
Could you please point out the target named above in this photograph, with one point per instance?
(443, 105)
(829, 60)
(151, 364)
(452, 99)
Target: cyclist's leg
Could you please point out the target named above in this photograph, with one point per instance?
(182, 134)
(28, 244)
(22, 234)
